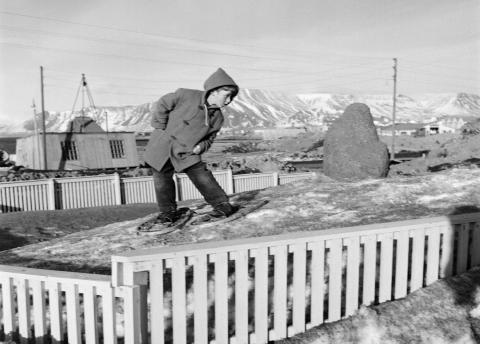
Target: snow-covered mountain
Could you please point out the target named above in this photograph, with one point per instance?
(267, 109)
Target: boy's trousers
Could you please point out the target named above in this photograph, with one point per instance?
(200, 176)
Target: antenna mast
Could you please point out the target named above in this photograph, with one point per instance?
(85, 90)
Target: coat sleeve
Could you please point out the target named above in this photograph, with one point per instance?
(206, 143)
(161, 109)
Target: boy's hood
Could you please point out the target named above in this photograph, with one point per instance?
(217, 79)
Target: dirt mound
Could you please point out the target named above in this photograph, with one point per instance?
(444, 153)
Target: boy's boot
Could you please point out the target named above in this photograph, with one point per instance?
(167, 217)
(223, 210)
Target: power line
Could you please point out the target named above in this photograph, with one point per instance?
(139, 58)
(289, 52)
(441, 76)
(101, 92)
(103, 40)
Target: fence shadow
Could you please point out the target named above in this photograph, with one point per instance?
(9, 209)
(14, 338)
(9, 240)
(465, 287)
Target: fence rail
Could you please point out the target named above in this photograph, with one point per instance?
(239, 291)
(81, 192)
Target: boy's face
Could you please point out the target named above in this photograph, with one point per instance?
(220, 98)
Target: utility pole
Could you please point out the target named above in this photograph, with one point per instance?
(43, 121)
(394, 106)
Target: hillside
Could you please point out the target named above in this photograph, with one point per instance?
(267, 109)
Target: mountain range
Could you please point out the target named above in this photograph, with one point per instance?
(267, 109)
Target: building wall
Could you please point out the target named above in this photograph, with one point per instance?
(29, 152)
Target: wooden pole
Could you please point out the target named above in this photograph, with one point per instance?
(394, 106)
(44, 132)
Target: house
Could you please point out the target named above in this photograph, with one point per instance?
(400, 129)
(275, 133)
(85, 145)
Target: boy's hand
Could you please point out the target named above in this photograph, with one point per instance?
(197, 149)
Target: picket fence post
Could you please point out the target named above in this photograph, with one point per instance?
(275, 179)
(117, 188)
(230, 184)
(134, 285)
(51, 194)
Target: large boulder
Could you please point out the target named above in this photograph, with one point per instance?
(352, 149)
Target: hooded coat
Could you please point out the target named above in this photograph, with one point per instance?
(182, 120)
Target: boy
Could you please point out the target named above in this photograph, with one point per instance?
(186, 123)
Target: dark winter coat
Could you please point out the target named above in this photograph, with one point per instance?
(182, 120)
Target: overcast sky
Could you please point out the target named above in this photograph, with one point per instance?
(132, 52)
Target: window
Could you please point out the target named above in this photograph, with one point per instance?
(69, 150)
(116, 148)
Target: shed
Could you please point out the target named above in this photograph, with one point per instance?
(85, 145)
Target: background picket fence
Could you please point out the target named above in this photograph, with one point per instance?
(238, 291)
(82, 192)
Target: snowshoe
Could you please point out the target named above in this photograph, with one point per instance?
(238, 211)
(162, 225)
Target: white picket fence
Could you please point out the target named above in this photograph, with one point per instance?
(239, 291)
(82, 192)
(60, 307)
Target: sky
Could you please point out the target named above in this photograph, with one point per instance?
(133, 52)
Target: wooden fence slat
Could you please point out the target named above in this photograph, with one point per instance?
(23, 299)
(38, 293)
(132, 314)
(91, 315)
(335, 280)
(433, 255)
(73, 314)
(446, 260)
(280, 292)
(318, 282)
(8, 302)
(401, 264)
(157, 323)
(418, 256)
(241, 296)
(369, 268)
(221, 297)
(462, 247)
(353, 275)
(179, 301)
(109, 317)
(386, 260)
(55, 308)
(299, 284)
(261, 295)
(200, 286)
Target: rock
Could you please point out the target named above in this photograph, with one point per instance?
(352, 149)
(471, 128)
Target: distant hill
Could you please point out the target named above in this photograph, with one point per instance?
(268, 109)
